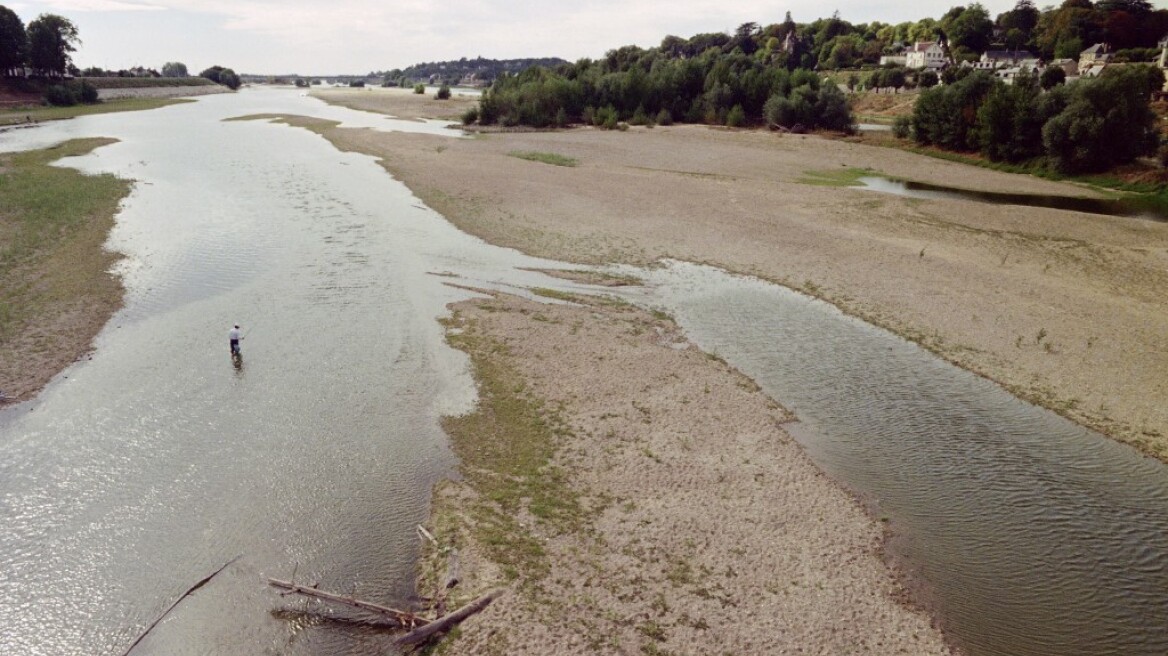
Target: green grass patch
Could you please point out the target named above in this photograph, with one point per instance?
(849, 177)
(43, 210)
(556, 294)
(506, 448)
(546, 158)
(39, 114)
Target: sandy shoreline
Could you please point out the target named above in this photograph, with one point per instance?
(691, 522)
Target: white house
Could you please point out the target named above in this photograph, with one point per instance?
(925, 54)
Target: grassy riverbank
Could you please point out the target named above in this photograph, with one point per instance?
(56, 291)
(39, 114)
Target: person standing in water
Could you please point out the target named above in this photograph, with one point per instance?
(234, 335)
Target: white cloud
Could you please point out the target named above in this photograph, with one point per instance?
(101, 5)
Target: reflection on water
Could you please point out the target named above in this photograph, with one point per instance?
(1035, 536)
(1151, 208)
(153, 464)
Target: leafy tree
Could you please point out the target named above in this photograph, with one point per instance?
(174, 69)
(1106, 122)
(927, 79)
(1009, 126)
(1018, 24)
(968, 27)
(1052, 76)
(946, 116)
(221, 75)
(51, 39)
(13, 41)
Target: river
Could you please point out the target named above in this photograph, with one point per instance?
(140, 471)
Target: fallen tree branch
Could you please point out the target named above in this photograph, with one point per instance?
(442, 624)
(190, 591)
(404, 618)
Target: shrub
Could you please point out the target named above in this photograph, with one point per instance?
(419, 88)
(470, 116)
(639, 117)
(87, 93)
(561, 118)
(1052, 76)
(443, 92)
(605, 117)
(588, 116)
(61, 95)
(736, 118)
(902, 127)
(664, 117)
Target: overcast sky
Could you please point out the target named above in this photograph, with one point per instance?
(357, 36)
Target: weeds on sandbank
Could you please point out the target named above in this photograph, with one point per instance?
(547, 158)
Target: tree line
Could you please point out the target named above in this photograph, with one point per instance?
(763, 75)
(45, 46)
(1090, 126)
(44, 50)
(652, 86)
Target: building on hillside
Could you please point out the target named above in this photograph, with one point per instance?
(926, 54)
(1008, 74)
(893, 60)
(1163, 44)
(1005, 58)
(1097, 56)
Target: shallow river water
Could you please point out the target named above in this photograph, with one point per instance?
(146, 468)
(141, 471)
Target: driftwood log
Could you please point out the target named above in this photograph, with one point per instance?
(191, 590)
(443, 624)
(404, 618)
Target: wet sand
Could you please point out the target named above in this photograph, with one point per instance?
(1063, 309)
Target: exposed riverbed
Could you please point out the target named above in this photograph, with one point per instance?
(140, 471)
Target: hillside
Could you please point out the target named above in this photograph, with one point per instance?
(467, 70)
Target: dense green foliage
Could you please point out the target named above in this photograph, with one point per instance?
(174, 69)
(443, 92)
(71, 93)
(13, 41)
(633, 84)
(51, 39)
(220, 75)
(1090, 126)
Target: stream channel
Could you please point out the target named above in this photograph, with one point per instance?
(148, 466)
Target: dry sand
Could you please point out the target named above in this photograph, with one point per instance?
(400, 103)
(711, 531)
(1067, 310)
